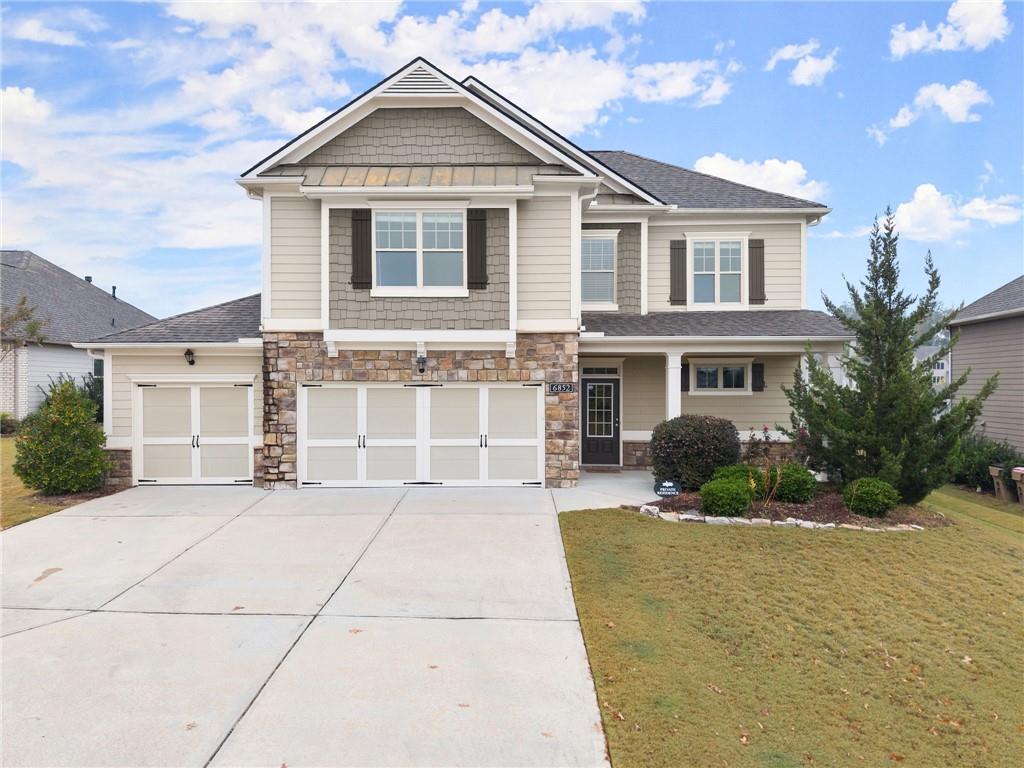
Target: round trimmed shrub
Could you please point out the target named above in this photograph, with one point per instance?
(870, 497)
(796, 484)
(725, 498)
(689, 448)
(59, 448)
(748, 474)
(8, 424)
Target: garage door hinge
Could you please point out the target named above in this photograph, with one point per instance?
(534, 384)
(146, 481)
(420, 482)
(311, 482)
(312, 385)
(247, 482)
(146, 385)
(424, 384)
(243, 385)
(532, 483)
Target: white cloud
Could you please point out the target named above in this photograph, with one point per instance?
(809, 69)
(786, 176)
(955, 102)
(56, 26)
(931, 216)
(21, 106)
(973, 24)
(987, 175)
(34, 30)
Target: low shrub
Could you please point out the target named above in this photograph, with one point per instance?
(747, 474)
(870, 497)
(796, 484)
(690, 448)
(725, 497)
(59, 448)
(8, 424)
(977, 454)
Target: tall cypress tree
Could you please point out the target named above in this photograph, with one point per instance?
(887, 420)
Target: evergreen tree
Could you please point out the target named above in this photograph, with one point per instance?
(887, 420)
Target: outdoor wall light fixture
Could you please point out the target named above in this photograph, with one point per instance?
(190, 357)
(421, 363)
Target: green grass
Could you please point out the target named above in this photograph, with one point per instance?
(722, 646)
(19, 504)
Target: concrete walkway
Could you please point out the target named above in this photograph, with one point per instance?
(238, 627)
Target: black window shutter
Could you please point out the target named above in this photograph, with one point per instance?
(362, 271)
(677, 272)
(757, 377)
(476, 247)
(684, 381)
(755, 262)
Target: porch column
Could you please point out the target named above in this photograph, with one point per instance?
(673, 384)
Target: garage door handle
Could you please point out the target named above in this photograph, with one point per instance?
(193, 441)
(485, 441)
(481, 441)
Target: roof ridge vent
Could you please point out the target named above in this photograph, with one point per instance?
(418, 80)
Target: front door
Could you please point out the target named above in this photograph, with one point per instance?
(601, 421)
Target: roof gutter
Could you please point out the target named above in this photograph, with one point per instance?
(244, 343)
(1006, 313)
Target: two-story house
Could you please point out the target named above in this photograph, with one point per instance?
(454, 293)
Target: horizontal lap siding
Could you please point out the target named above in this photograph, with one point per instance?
(756, 409)
(294, 258)
(782, 243)
(47, 363)
(124, 366)
(985, 348)
(544, 243)
(643, 392)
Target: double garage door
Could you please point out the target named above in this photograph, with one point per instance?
(445, 434)
(194, 433)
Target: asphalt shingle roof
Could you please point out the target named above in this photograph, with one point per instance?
(799, 323)
(227, 322)
(689, 189)
(1006, 298)
(74, 310)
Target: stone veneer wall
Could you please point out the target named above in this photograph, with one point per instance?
(120, 474)
(292, 358)
(636, 454)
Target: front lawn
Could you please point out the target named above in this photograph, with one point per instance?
(733, 646)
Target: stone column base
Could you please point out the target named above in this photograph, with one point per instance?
(120, 474)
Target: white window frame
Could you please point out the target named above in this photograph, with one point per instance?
(602, 234)
(418, 290)
(692, 238)
(720, 363)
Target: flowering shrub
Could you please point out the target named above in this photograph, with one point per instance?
(59, 448)
(690, 448)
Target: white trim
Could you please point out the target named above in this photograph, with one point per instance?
(265, 297)
(292, 324)
(325, 265)
(643, 266)
(427, 292)
(408, 206)
(419, 290)
(601, 234)
(673, 384)
(601, 362)
(692, 239)
(414, 336)
(108, 393)
(513, 265)
(118, 443)
(242, 345)
(192, 378)
(636, 435)
(720, 362)
(600, 306)
(803, 265)
(399, 194)
(575, 248)
(553, 325)
(1005, 313)
(750, 219)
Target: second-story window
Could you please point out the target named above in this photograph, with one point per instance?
(419, 253)
(598, 267)
(718, 272)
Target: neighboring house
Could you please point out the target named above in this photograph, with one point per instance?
(453, 293)
(940, 368)
(71, 309)
(992, 341)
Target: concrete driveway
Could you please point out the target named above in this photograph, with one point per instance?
(238, 627)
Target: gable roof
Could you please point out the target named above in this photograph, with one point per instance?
(690, 189)
(227, 322)
(420, 78)
(75, 310)
(1004, 301)
(798, 323)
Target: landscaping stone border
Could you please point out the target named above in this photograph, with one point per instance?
(761, 522)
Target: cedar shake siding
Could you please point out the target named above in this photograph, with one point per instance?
(422, 136)
(294, 258)
(782, 262)
(485, 308)
(986, 348)
(627, 265)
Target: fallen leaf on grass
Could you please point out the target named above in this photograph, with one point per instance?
(896, 757)
(715, 688)
(966, 660)
(744, 739)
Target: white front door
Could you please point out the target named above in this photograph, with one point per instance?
(438, 434)
(194, 433)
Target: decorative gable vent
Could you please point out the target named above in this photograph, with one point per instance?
(419, 80)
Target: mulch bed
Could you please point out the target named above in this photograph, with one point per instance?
(827, 507)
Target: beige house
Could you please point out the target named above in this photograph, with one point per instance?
(454, 294)
(992, 341)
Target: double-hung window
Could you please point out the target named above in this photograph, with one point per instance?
(598, 267)
(419, 253)
(718, 377)
(718, 271)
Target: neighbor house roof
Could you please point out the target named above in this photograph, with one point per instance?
(799, 323)
(227, 322)
(72, 309)
(690, 189)
(1003, 301)
(417, 175)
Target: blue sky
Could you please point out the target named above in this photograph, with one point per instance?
(125, 124)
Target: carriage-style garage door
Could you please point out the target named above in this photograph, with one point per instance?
(193, 433)
(451, 434)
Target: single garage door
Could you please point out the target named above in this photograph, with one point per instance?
(444, 434)
(194, 433)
